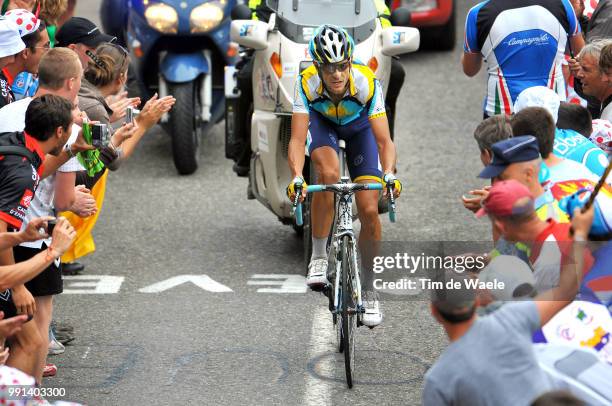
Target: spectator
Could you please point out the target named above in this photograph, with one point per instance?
(81, 35)
(106, 74)
(593, 80)
(488, 132)
(567, 143)
(575, 117)
(511, 209)
(522, 56)
(60, 74)
(538, 122)
(501, 340)
(57, 192)
(518, 158)
(47, 124)
(10, 45)
(35, 36)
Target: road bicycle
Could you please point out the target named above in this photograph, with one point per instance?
(344, 290)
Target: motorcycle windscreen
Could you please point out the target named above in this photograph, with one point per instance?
(297, 19)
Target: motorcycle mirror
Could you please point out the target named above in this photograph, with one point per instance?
(241, 12)
(401, 17)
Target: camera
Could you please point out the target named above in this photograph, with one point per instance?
(50, 226)
(100, 135)
(130, 114)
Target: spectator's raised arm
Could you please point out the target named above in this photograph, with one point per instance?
(552, 301)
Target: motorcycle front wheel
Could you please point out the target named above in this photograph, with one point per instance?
(185, 126)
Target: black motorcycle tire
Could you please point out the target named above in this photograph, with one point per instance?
(184, 126)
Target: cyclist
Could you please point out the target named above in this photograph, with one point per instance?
(260, 10)
(339, 98)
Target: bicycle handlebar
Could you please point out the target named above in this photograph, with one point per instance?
(340, 188)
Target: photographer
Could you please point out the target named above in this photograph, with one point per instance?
(106, 75)
(47, 128)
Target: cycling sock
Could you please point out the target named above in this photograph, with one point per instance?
(319, 248)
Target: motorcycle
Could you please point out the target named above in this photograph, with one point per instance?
(179, 48)
(280, 54)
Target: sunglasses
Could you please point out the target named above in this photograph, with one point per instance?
(333, 67)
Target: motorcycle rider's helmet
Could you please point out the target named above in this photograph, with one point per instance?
(330, 44)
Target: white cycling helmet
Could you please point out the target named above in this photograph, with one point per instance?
(331, 44)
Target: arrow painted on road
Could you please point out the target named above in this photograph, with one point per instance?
(202, 281)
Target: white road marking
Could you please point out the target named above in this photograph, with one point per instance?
(322, 338)
(287, 283)
(97, 284)
(202, 281)
(86, 353)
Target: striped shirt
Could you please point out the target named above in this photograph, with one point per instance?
(523, 43)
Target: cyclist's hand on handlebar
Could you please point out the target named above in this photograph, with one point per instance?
(297, 182)
(397, 185)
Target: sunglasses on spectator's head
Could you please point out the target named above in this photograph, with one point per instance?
(333, 67)
(119, 47)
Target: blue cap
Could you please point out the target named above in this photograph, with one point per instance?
(516, 149)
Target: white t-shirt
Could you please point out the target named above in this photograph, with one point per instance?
(12, 118)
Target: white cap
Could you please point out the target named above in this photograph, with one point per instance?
(10, 40)
(514, 273)
(539, 96)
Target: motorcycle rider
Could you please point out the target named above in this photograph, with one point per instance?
(337, 97)
(244, 76)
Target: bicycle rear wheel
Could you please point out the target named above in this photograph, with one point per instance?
(349, 316)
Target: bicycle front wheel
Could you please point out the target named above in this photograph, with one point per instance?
(349, 305)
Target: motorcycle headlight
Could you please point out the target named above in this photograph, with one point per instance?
(162, 17)
(206, 17)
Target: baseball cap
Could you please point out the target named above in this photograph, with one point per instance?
(25, 21)
(517, 277)
(516, 149)
(10, 40)
(507, 198)
(539, 96)
(79, 30)
(457, 301)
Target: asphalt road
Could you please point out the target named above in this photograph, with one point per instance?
(189, 345)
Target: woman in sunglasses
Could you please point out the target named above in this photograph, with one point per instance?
(338, 98)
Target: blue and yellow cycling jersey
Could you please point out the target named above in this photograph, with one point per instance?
(364, 92)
